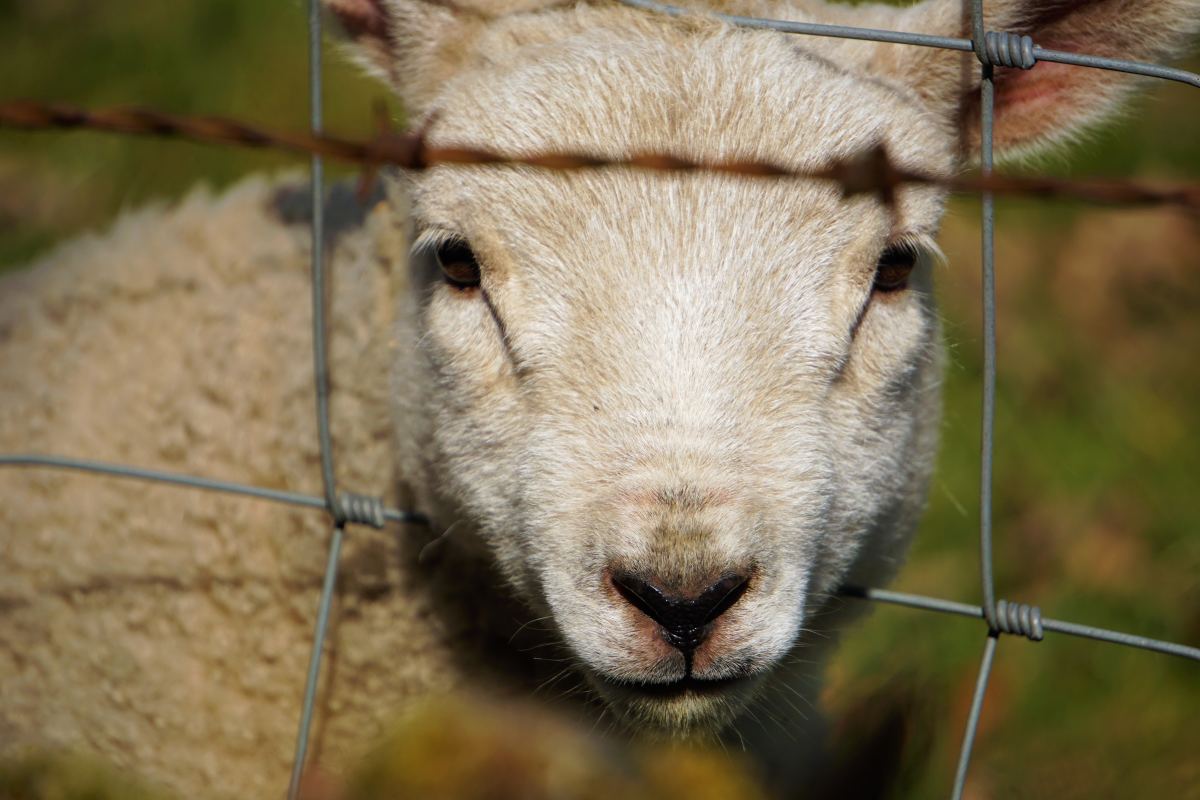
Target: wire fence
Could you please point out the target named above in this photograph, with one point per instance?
(870, 172)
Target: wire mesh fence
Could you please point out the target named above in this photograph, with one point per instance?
(871, 173)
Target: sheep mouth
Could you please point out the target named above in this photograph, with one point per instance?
(681, 688)
(688, 708)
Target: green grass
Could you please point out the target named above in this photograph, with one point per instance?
(1097, 515)
(228, 57)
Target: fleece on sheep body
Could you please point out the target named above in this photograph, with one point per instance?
(169, 629)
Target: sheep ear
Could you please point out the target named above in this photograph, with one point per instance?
(417, 45)
(1050, 103)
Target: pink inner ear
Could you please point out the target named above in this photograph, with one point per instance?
(1030, 92)
(1044, 103)
(361, 18)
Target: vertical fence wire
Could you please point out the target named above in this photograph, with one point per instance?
(968, 745)
(987, 105)
(987, 94)
(314, 662)
(321, 381)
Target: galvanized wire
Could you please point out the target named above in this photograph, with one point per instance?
(925, 603)
(923, 40)
(208, 484)
(987, 114)
(992, 49)
(321, 381)
(968, 745)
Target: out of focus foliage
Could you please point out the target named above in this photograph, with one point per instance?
(68, 777)
(229, 57)
(1097, 508)
(477, 749)
(453, 748)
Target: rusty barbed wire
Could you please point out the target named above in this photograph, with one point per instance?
(870, 172)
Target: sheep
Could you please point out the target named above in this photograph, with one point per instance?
(655, 421)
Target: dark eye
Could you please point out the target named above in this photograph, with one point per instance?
(895, 266)
(457, 261)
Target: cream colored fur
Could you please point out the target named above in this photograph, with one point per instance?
(673, 373)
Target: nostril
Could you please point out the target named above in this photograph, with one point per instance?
(685, 619)
(640, 594)
(722, 595)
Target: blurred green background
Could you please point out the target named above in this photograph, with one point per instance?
(1097, 504)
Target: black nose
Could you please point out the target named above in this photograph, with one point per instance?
(686, 620)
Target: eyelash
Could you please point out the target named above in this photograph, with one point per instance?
(457, 263)
(895, 266)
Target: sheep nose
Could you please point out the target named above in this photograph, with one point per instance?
(685, 620)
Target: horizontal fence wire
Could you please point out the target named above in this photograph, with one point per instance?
(1057, 626)
(1033, 51)
(196, 482)
(915, 601)
(872, 171)
(869, 172)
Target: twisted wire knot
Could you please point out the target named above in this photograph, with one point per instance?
(361, 509)
(1002, 49)
(1019, 618)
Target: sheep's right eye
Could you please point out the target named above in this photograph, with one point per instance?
(895, 266)
(459, 266)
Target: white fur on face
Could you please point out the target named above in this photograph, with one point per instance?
(689, 376)
(682, 375)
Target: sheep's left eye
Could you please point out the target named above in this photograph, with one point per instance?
(894, 268)
(459, 266)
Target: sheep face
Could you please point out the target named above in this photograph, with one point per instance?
(680, 409)
(666, 395)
